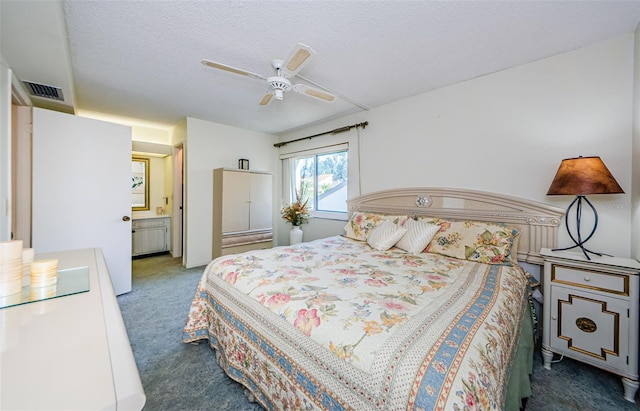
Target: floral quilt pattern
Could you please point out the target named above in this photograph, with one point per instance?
(334, 324)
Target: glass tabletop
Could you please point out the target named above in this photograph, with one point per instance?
(70, 281)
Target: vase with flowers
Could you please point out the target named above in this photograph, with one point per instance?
(297, 214)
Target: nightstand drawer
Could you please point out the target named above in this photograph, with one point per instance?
(592, 280)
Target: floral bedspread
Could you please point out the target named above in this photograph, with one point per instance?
(334, 324)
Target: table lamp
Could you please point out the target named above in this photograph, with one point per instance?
(581, 176)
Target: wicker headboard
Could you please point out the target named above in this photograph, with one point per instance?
(538, 223)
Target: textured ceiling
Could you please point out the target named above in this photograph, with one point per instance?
(141, 59)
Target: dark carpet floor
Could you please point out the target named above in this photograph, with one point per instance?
(178, 376)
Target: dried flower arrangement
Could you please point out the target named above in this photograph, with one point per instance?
(296, 213)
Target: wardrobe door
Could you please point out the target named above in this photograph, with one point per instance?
(261, 217)
(235, 201)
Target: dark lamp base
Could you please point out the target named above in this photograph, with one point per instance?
(577, 239)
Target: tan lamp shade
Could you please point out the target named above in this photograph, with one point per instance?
(582, 176)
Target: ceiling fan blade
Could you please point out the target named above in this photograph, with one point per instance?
(235, 70)
(355, 103)
(266, 99)
(314, 92)
(297, 59)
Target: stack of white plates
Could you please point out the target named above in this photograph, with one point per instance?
(27, 259)
(10, 267)
(44, 273)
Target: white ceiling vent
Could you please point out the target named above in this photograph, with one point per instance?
(42, 90)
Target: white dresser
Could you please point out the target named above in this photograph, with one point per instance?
(591, 313)
(70, 352)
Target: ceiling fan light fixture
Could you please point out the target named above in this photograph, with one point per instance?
(279, 85)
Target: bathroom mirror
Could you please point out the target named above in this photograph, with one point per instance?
(139, 184)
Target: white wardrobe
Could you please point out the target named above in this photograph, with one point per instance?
(242, 211)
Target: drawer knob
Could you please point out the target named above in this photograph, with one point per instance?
(553, 317)
(587, 278)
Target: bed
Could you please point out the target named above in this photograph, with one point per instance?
(420, 304)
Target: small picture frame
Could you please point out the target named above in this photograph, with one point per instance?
(243, 164)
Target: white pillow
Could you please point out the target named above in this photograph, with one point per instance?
(385, 235)
(418, 236)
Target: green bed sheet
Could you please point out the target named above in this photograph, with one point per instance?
(519, 386)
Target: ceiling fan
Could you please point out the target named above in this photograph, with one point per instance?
(279, 84)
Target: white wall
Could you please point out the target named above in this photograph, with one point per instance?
(507, 133)
(208, 146)
(178, 134)
(150, 134)
(140, 131)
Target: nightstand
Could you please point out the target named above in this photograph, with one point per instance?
(591, 313)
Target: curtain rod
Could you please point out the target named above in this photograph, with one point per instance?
(335, 131)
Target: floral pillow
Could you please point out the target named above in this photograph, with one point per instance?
(361, 224)
(385, 235)
(488, 243)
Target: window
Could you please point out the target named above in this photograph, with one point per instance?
(321, 178)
